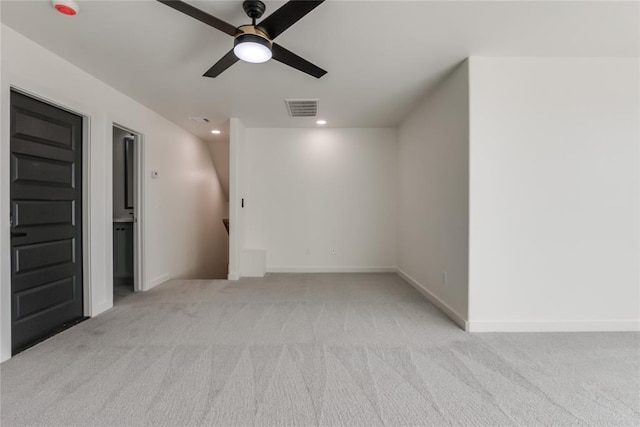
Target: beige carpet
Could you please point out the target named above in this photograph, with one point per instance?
(306, 350)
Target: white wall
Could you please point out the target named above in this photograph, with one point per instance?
(220, 155)
(236, 193)
(555, 211)
(308, 191)
(433, 192)
(184, 236)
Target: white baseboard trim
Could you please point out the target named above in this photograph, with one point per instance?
(446, 308)
(561, 326)
(329, 269)
(100, 309)
(155, 282)
(233, 277)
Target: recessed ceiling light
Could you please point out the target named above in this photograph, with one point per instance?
(321, 122)
(215, 132)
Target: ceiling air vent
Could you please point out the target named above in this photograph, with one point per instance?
(302, 107)
(199, 120)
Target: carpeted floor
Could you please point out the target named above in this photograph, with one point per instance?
(122, 288)
(325, 349)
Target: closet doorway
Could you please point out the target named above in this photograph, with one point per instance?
(127, 153)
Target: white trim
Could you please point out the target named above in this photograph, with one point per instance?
(87, 290)
(555, 326)
(330, 269)
(5, 228)
(446, 308)
(139, 225)
(158, 280)
(100, 309)
(235, 144)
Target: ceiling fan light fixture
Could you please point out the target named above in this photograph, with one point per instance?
(254, 42)
(252, 48)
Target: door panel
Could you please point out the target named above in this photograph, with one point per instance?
(40, 255)
(49, 295)
(38, 213)
(30, 124)
(46, 230)
(42, 171)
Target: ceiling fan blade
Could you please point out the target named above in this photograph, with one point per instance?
(291, 59)
(225, 62)
(290, 13)
(201, 16)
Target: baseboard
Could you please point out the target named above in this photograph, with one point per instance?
(446, 308)
(155, 282)
(233, 277)
(561, 326)
(330, 269)
(100, 309)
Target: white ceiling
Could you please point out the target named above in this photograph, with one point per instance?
(381, 56)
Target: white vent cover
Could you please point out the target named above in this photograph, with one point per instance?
(302, 107)
(199, 120)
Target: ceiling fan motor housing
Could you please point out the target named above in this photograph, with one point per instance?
(253, 32)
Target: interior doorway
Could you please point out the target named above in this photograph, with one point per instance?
(220, 150)
(126, 146)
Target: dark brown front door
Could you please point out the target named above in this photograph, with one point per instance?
(46, 220)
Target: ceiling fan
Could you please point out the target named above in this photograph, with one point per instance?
(254, 42)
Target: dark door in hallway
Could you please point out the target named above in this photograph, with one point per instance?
(46, 220)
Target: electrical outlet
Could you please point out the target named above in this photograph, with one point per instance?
(444, 277)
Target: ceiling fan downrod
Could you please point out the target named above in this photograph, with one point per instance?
(254, 9)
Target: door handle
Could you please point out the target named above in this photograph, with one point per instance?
(18, 234)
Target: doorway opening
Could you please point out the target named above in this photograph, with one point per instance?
(126, 212)
(220, 150)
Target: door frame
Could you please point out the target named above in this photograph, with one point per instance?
(5, 250)
(138, 224)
